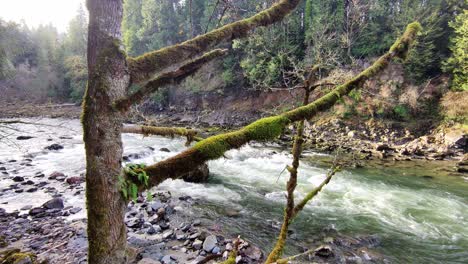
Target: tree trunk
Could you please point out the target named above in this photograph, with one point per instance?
(102, 125)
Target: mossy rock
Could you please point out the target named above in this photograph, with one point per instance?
(3, 242)
(15, 256)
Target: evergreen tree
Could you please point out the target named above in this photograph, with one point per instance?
(457, 64)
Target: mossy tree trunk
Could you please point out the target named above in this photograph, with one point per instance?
(108, 80)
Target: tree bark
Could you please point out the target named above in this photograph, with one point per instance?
(109, 79)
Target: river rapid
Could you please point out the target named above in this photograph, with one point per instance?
(417, 210)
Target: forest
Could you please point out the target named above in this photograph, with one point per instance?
(236, 131)
(336, 34)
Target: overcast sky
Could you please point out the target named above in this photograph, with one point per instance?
(35, 12)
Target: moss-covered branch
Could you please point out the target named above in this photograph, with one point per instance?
(146, 66)
(190, 134)
(314, 192)
(277, 251)
(166, 78)
(271, 127)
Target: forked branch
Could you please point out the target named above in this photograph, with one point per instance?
(166, 78)
(145, 67)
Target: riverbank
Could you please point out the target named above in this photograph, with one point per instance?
(45, 213)
(363, 140)
(361, 214)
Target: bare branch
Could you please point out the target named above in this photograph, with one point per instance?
(144, 67)
(162, 131)
(174, 76)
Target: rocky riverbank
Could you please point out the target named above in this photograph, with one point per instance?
(162, 229)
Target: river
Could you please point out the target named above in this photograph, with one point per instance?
(418, 210)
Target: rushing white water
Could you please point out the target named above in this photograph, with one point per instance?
(419, 219)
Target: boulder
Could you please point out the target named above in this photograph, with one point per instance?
(56, 203)
(18, 179)
(324, 251)
(75, 180)
(55, 174)
(254, 253)
(198, 175)
(209, 243)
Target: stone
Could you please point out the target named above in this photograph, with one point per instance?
(164, 150)
(194, 236)
(253, 253)
(31, 190)
(324, 251)
(209, 243)
(168, 234)
(197, 244)
(75, 180)
(18, 179)
(23, 137)
(216, 250)
(56, 174)
(152, 230)
(161, 212)
(167, 259)
(148, 261)
(75, 210)
(54, 147)
(198, 175)
(56, 203)
(36, 211)
(135, 223)
(26, 207)
(155, 206)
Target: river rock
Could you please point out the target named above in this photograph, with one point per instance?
(36, 211)
(164, 150)
(18, 179)
(75, 180)
(209, 243)
(148, 261)
(23, 137)
(54, 147)
(56, 174)
(199, 174)
(324, 251)
(253, 252)
(31, 190)
(169, 233)
(197, 244)
(56, 203)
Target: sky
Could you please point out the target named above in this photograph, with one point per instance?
(36, 12)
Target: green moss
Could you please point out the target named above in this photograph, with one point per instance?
(266, 128)
(3, 242)
(213, 147)
(400, 47)
(16, 257)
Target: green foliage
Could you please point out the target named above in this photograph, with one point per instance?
(135, 176)
(425, 58)
(457, 64)
(45, 64)
(76, 76)
(401, 112)
(160, 97)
